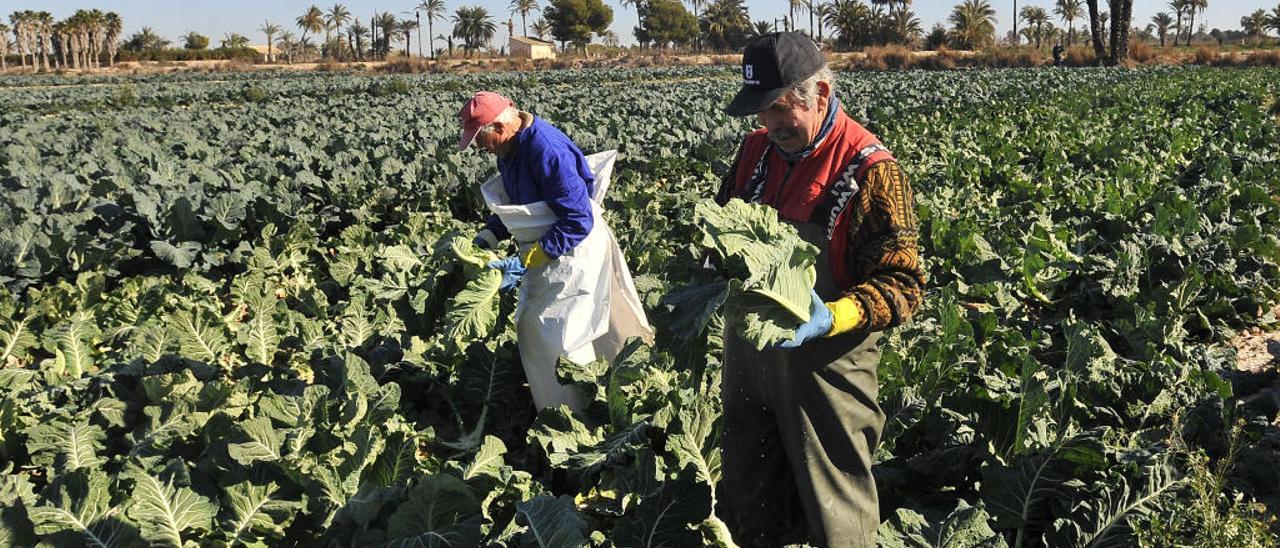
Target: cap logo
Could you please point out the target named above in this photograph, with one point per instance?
(748, 75)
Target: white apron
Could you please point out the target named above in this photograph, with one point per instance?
(583, 305)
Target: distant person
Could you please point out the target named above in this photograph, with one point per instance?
(576, 300)
(801, 422)
(1057, 54)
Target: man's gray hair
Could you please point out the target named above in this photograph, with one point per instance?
(806, 91)
(508, 115)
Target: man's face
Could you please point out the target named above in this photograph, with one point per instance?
(791, 124)
(493, 141)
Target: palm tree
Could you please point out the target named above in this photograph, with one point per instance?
(287, 46)
(43, 28)
(1162, 21)
(1097, 31)
(473, 26)
(1069, 11)
(523, 7)
(387, 24)
(1179, 7)
(406, 27)
(1015, 24)
(1255, 24)
(808, 6)
(355, 38)
(697, 6)
(311, 21)
(271, 30)
(335, 20)
(724, 22)
(1273, 21)
(906, 26)
(541, 28)
(821, 10)
(638, 4)
(194, 40)
(1036, 17)
(4, 47)
(795, 5)
(112, 26)
(434, 9)
(761, 28)
(852, 21)
(974, 23)
(234, 40)
(1192, 7)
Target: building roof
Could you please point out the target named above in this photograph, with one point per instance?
(531, 41)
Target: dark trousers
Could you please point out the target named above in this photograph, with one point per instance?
(800, 427)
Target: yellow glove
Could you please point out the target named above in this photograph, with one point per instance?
(535, 257)
(846, 315)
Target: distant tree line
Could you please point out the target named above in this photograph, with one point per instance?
(84, 40)
(90, 38)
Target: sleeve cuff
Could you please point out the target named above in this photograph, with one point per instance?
(487, 236)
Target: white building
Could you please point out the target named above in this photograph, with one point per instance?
(531, 48)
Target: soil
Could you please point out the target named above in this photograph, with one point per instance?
(1258, 351)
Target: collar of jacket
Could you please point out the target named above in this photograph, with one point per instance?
(833, 106)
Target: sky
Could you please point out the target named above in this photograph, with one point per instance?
(216, 18)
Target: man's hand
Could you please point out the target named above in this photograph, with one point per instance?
(511, 269)
(535, 257)
(819, 324)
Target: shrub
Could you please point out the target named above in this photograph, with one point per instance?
(1142, 53)
(1269, 58)
(393, 86)
(179, 54)
(1206, 56)
(255, 94)
(1079, 56)
(1007, 58)
(887, 57)
(942, 59)
(406, 65)
(868, 62)
(234, 65)
(329, 65)
(125, 96)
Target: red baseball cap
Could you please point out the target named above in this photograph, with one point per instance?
(479, 111)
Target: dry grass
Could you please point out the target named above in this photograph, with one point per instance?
(1269, 58)
(402, 65)
(887, 57)
(233, 65)
(942, 59)
(329, 65)
(1079, 56)
(1141, 53)
(1206, 56)
(1007, 58)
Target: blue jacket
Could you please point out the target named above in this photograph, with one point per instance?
(545, 165)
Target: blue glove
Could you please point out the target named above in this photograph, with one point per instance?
(512, 270)
(819, 323)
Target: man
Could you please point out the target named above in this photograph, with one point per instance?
(576, 296)
(801, 419)
(1057, 54)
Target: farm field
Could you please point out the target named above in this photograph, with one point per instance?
(236, 313)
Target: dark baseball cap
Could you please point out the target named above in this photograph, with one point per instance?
(771, 64)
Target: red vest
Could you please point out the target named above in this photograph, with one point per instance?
(817, 189)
